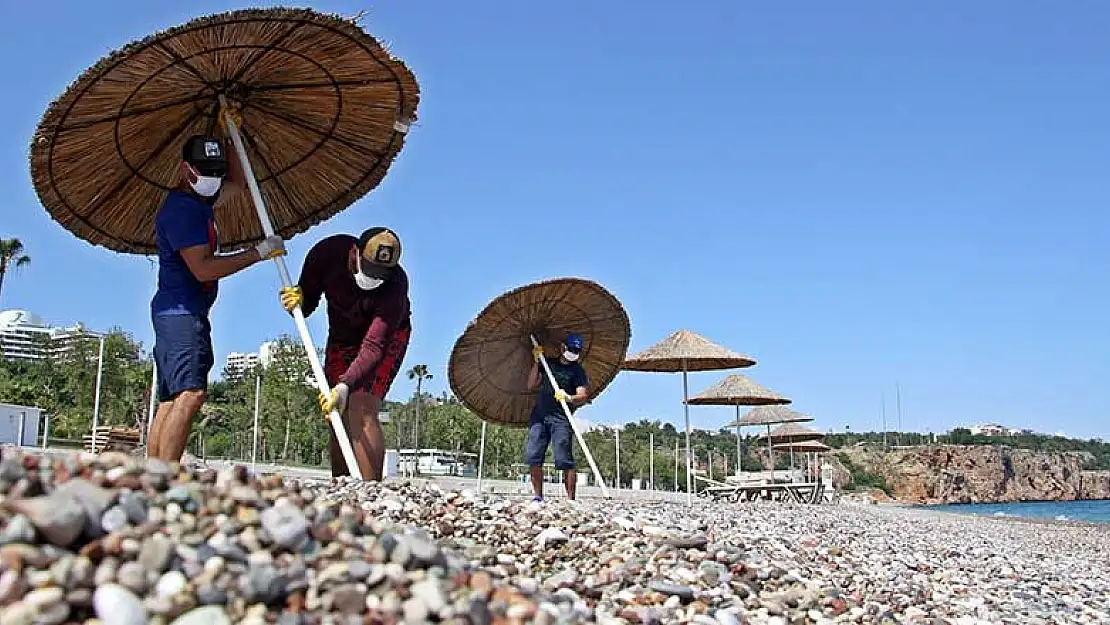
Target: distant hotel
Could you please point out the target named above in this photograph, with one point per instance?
(26, 336)
(994, 429)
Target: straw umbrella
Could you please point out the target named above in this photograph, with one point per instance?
(737, 390)
(323, 107)
(791, 432)
(686, 351)
(489, 364)
(811, 447)
(772, 415)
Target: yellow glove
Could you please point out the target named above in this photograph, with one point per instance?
(560, 395)
(537, 352)
(233, 111)
(335, 400)
(291, 297)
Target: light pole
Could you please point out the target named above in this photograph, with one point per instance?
(617, 479)
(96, 397)
(254, 434)
(651, 460)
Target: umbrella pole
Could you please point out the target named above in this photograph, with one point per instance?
(286, 281)
(481, 456)
(686, 412)
(739, 453)
(573, 425)
(770, 453)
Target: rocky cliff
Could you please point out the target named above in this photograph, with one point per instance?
(947, 474)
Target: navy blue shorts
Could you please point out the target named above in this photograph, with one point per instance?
(554, 429)
(183, 354)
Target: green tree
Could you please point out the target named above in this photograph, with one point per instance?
(12, 258)
(418, 373)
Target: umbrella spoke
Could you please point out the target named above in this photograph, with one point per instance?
(185, 63)
(255, 151)
(324, 134)
(102, 199)
(143, 110)
(258, 56)
(331, 84)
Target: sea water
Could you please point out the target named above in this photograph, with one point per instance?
(1088, 511)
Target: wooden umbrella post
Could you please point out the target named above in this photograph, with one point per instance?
(286, 281)
(573, 426)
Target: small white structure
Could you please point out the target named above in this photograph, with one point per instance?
(19, 425)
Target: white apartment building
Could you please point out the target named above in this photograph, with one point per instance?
(238, 363)
(26, 336)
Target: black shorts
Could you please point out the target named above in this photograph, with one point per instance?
(182, 353)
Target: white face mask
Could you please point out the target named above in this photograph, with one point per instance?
(367, 283)
(206, 186)
(570, 356)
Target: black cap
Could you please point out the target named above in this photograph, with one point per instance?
(380, 253)
(206, 155)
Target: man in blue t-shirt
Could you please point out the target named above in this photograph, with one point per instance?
(189, 268)
(548, 423)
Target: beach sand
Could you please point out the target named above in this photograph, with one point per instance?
(134, 542)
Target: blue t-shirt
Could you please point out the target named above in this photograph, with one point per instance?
(568, 376)
(184, 220)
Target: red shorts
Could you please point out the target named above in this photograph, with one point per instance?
(338, 357)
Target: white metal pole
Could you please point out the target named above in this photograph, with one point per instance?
(481, 456)
(651, 461)
(676, 465)
(22, 426)
(254, 432)
(689, 460)
(739, 452)
(145, 433)
(286, 281)
(96, 399)
(617, 479)
(709, 453)
(45, 429)
(573, 424)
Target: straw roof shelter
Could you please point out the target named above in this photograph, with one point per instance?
(792, 433)
(489, 363)
(686, 351)
(737, 390)
(814, 446)
(324, 111)
(768, 415)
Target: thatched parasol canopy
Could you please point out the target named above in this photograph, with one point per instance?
(737, 390)
(325, 109)
(792, 433)
(771, 415)
(488, 369)
(686, 351)
(803, 447)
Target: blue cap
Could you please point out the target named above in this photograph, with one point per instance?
(574, 342)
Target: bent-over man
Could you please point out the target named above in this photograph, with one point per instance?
(369, 325)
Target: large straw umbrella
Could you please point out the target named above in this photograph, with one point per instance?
(790, 432)
(737, 390)
(809, 447)
(489, 364)
(686, 351)
(323, 108)
(768, 416)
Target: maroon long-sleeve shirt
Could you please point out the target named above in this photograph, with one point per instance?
(355, 316)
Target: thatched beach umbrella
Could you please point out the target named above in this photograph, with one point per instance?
(489, 364)
(737, 390)
(322, 107)
(686, 351)
(768, 416)
(790, 432)
(805, 447)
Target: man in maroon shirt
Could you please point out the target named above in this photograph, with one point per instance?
(368, 333)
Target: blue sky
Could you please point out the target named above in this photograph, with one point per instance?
(854, 193)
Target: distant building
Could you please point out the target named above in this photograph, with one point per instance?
(994, 429)
(26, 336)
(239, 363)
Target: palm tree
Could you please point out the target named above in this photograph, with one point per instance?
(418, 373)
(11, 257)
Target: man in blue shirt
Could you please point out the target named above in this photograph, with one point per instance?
(189, 269)
(548, 423)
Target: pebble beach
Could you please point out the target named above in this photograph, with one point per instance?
(118, 540)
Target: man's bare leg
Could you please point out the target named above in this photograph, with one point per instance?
(570, 480)
(537, 479)
(173, 430)
(367, 439)
(153, 440)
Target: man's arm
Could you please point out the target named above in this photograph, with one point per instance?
(187, 231)
(312, 280)
(374, 342)
(581, 387)
(534, 378)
